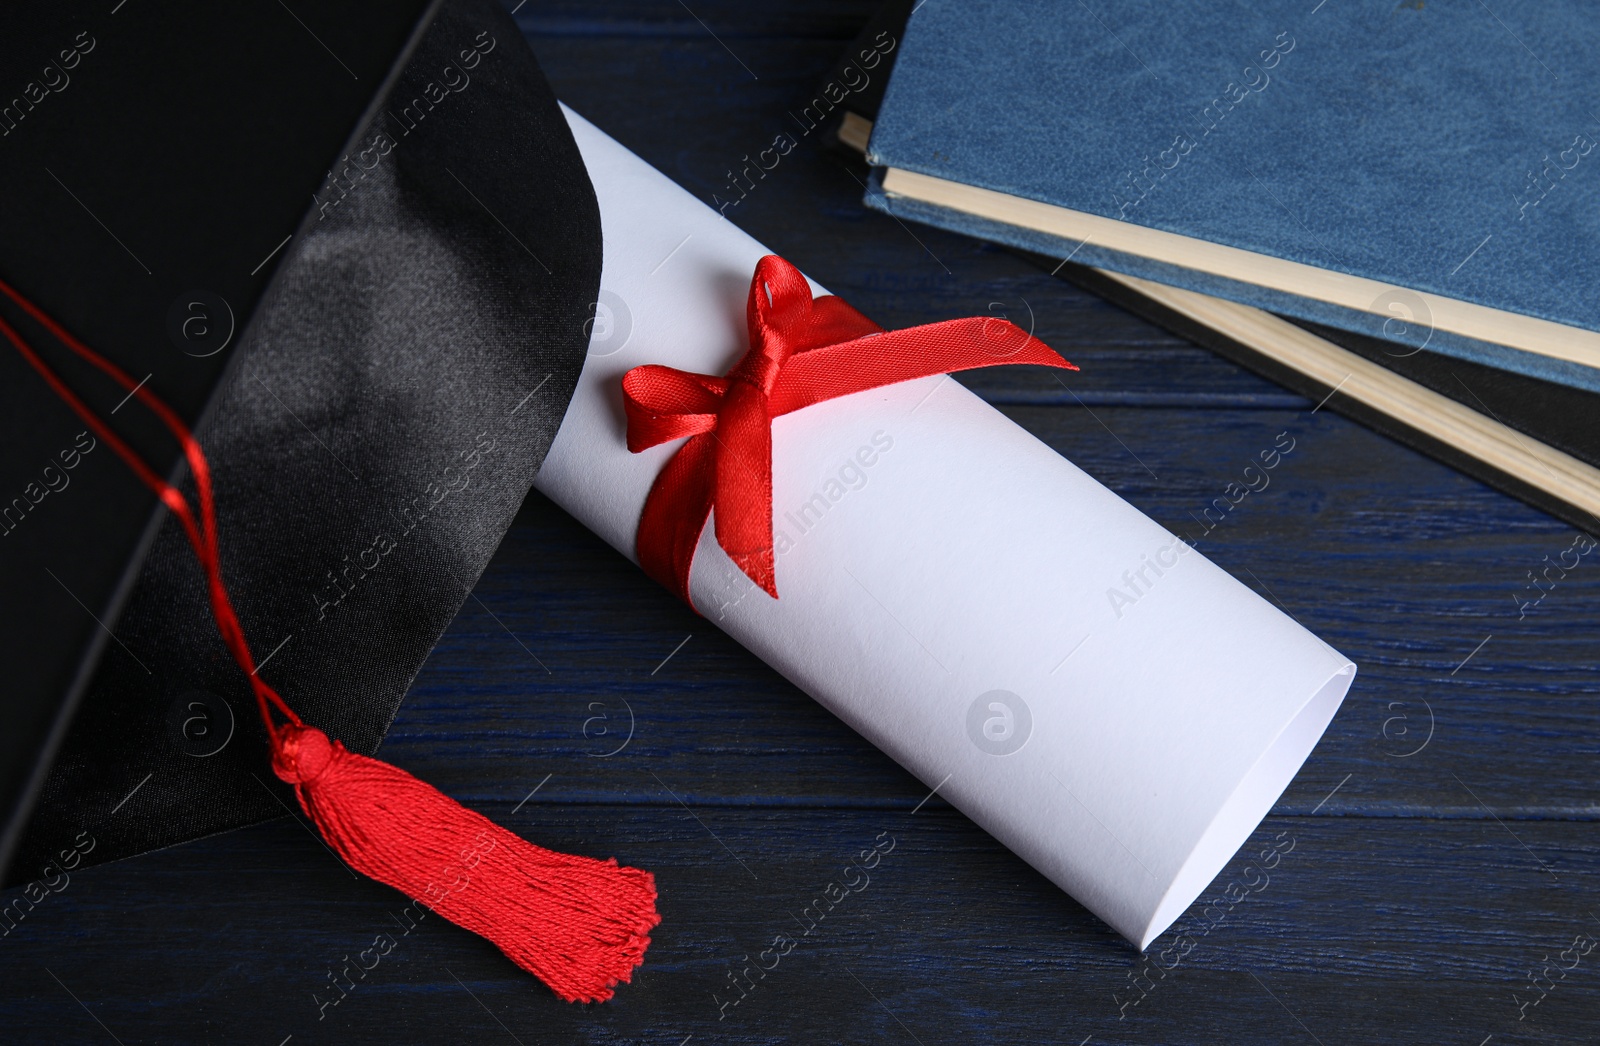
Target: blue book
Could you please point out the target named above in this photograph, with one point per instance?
(1424, 172)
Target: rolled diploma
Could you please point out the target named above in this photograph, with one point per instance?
(945, 587)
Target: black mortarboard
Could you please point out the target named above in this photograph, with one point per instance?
(354, 246)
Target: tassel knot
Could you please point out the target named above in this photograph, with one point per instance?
(301, 753)
(579, 924)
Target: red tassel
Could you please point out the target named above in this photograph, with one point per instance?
(578, 924)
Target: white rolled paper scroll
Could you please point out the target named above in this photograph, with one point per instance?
(948, 587)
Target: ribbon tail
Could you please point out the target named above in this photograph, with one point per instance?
(873, 361)
(803, 351)
(744, 486)
(675, 514)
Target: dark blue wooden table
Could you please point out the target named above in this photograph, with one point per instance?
(1441, 882)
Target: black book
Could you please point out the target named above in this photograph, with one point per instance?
(1535, 440)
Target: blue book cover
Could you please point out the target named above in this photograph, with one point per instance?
(1423, 171)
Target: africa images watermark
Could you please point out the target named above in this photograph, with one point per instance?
(52, 79)
(999, 722)
(1401, 729)
(1551, 174)
(1138, 581)
(53, 479)
(411, 513)
(1550, 974)
(384, 943)
(851, 475)
(452, 79)
(852, 879)
(852, 80)
(53, 880)
(1234, 493)
(1582, 545)
(1252, 879)
(1137, 185)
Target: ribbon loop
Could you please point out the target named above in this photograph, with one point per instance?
(663, 404)
(779, 300)
(803, 351)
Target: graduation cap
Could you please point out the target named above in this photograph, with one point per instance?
(353, 248)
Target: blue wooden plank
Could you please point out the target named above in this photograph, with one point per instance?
(706, 116)
(1428, 885)
(1370, 931)
(1406, 567)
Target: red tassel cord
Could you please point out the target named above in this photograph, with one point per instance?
(580, 925)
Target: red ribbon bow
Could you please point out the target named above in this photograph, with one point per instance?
(803, 350)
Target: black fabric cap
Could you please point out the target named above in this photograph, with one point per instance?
(372, 428)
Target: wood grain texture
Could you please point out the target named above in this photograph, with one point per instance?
(1444, 837)
(1362, 930)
